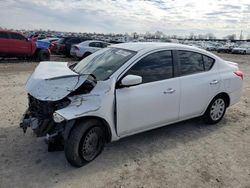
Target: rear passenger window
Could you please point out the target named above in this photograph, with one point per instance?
(208, 62)
(4, 35)
(98, 44)
(154, 67)
(17, 36)
(95, 44)
(104, 45)
(190, 62)
(92, 44)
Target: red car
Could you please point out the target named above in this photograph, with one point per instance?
(14, 44)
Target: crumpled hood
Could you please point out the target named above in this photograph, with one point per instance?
(52, 81)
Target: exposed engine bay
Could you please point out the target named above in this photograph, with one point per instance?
(39, 115)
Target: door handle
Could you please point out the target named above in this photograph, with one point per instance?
(169, 91)
(214, 82)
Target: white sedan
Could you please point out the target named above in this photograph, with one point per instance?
(243, 49)
(126, 89)
(86, 48)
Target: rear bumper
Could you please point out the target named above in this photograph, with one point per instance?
(235, 97)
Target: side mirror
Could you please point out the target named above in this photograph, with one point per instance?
(131, 80)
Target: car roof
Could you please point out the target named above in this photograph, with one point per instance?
(89, 41)
(138, 46)
(149, 46)
(8, 31)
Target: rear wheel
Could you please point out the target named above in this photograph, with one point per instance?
(43, 55)
(215, 110)
(86, 141)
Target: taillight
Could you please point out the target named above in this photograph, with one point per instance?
(239, 73)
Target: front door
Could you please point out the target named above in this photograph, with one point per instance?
(153, 103)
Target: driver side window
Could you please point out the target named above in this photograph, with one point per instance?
(154, 67)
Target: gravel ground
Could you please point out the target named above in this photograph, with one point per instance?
(187, 154)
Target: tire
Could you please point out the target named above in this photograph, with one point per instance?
(43, 55)
(244, 52)
(215, 110)
(85, 142)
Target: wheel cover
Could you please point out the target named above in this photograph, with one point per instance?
(91, 145)
(217, 109)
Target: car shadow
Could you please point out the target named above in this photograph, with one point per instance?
(26, 156)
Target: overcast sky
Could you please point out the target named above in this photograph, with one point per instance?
(179, 17)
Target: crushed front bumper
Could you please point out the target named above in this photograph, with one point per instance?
(28, 121)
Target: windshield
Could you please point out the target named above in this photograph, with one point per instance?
(103, 63)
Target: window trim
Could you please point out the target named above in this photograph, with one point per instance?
(204, 62)
(179, 63)
(174, 63)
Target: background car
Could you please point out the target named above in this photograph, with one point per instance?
(225, 49)
(64, 44)
(86, 48)
(242, 49)
(14, 44)
(52, 42)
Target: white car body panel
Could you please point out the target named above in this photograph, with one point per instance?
(134, 107)
(197, 91)
(159, 101)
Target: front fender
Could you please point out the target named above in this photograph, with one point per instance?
(81, 106)
(100, 103)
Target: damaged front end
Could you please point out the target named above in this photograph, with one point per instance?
(39, 115)
(49, 92)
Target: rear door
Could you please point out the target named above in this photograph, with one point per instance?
(4, 43)
(198, 82)
(153, 103)
(19, 44)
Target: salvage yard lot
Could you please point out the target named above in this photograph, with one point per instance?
(187, 154)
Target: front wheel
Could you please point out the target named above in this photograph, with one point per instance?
(86, 141)
(215, 110)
